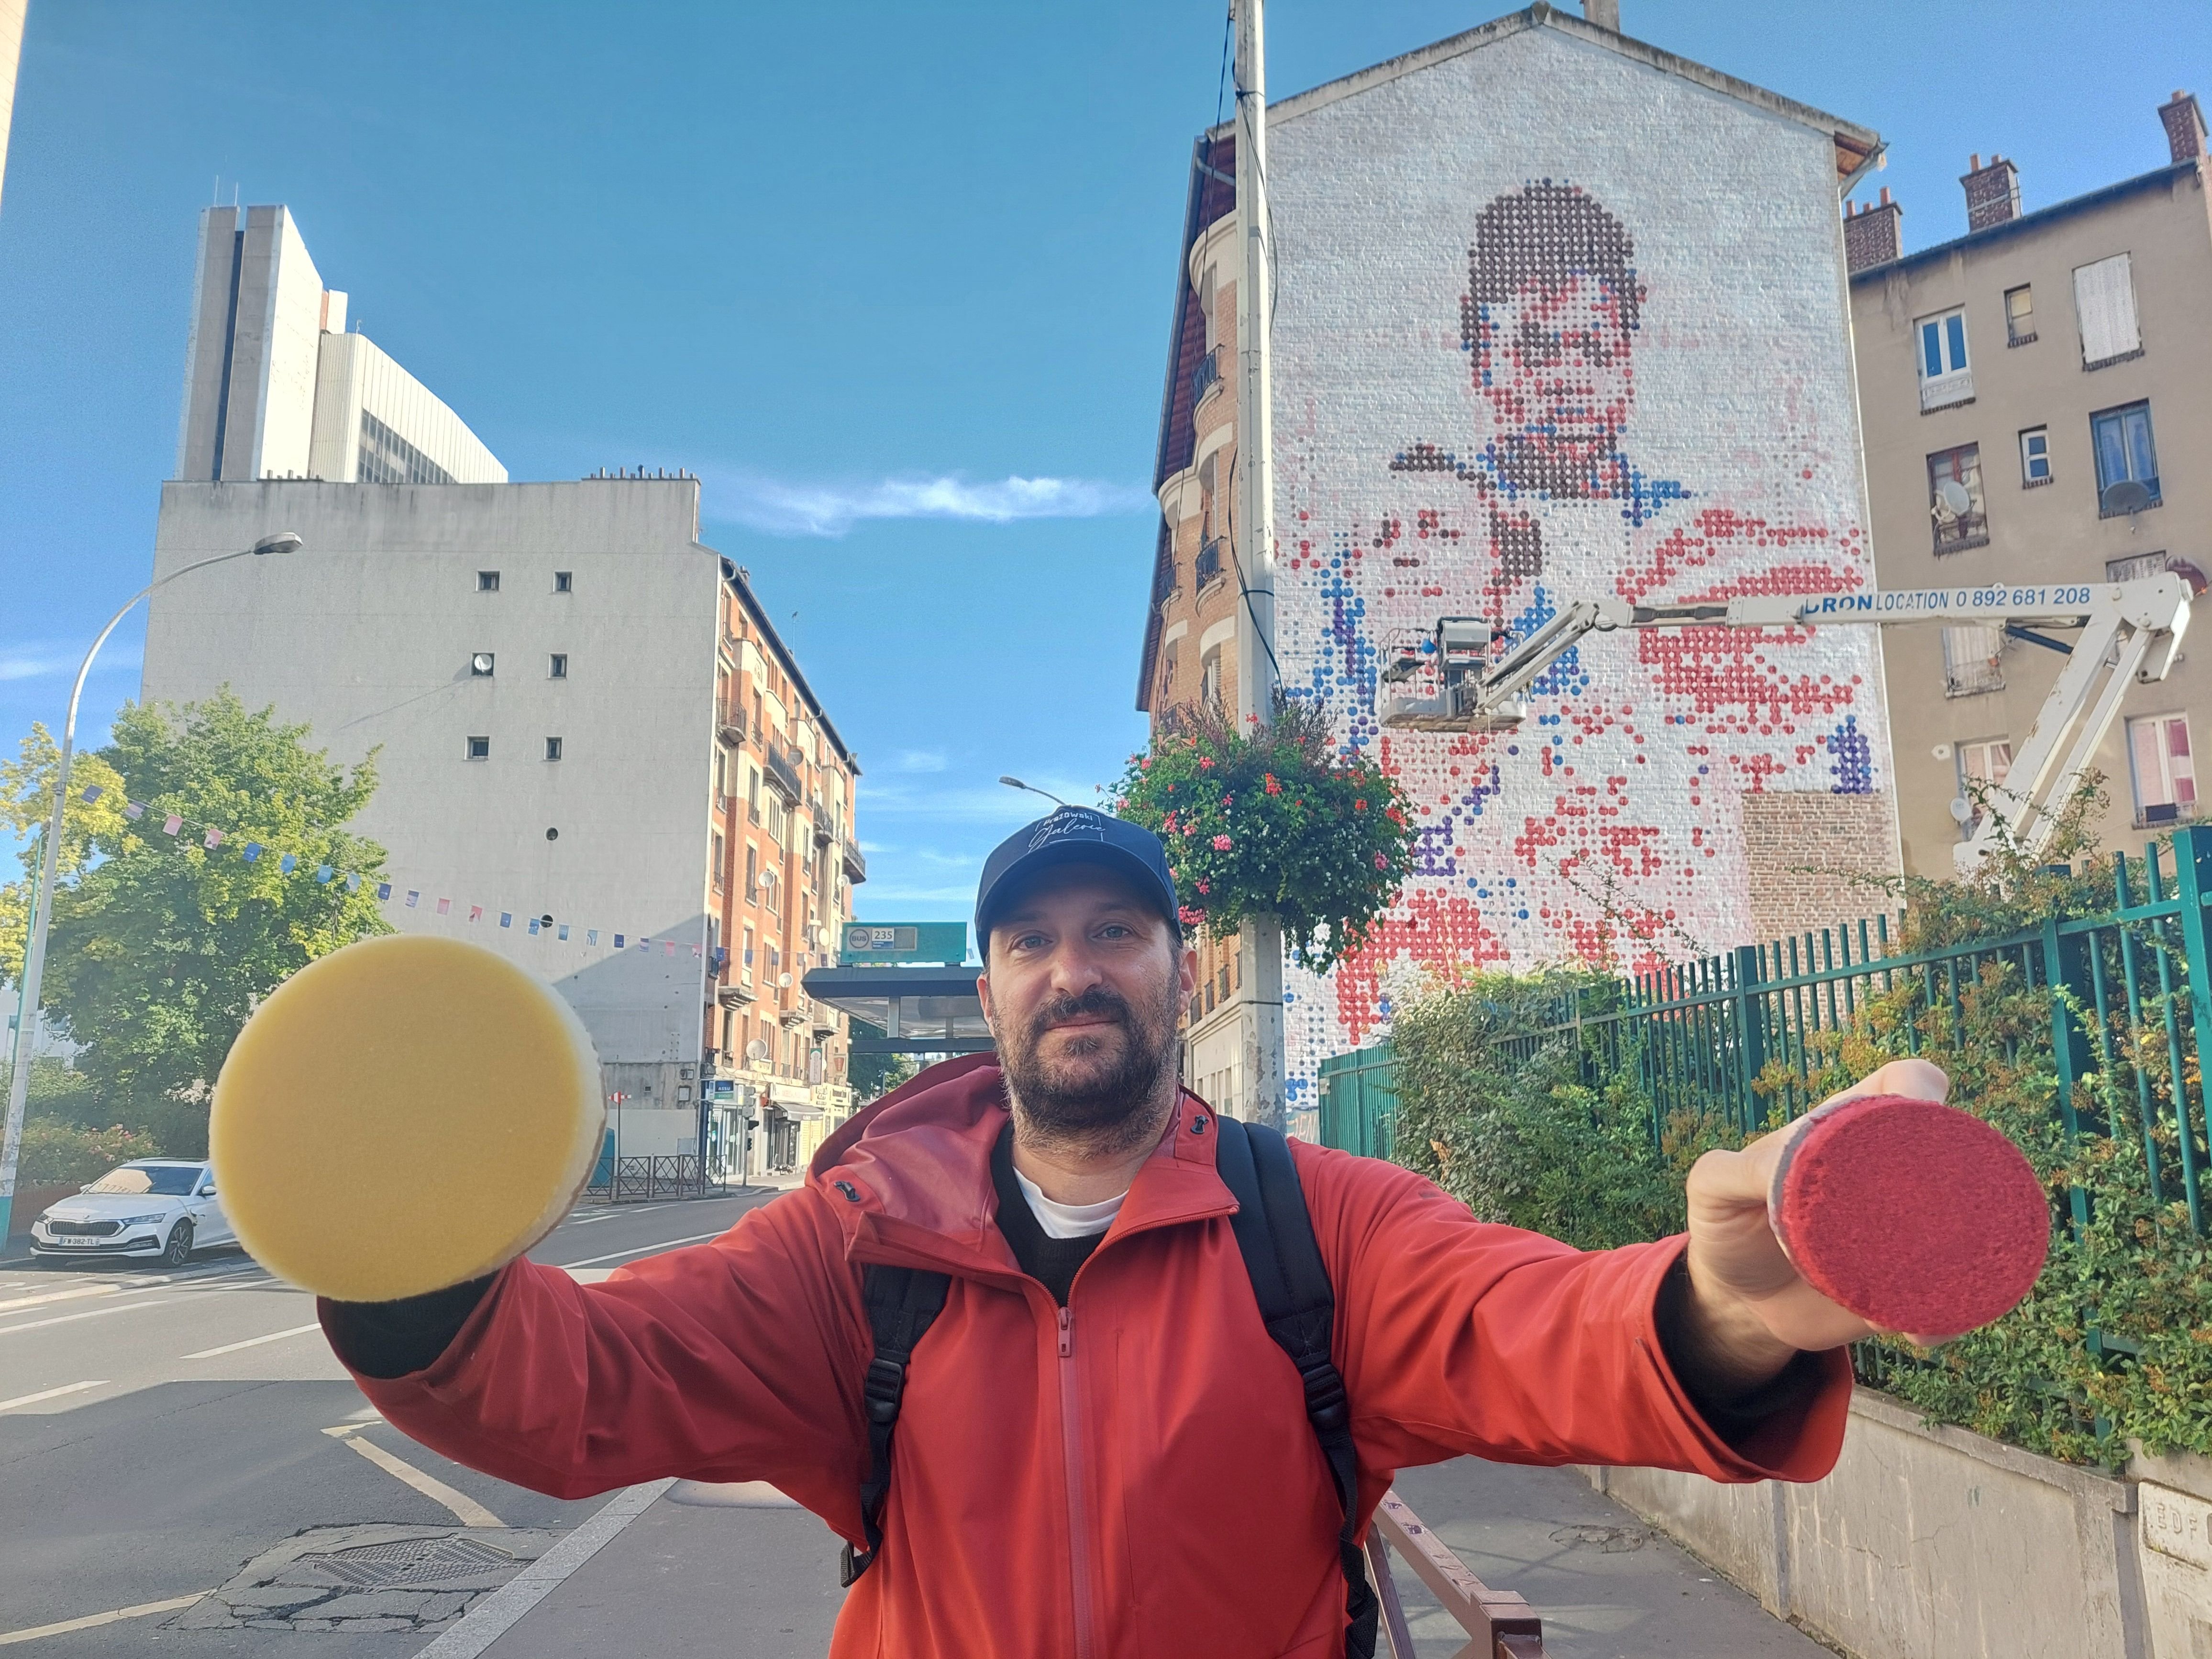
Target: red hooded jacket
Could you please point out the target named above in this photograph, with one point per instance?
(1133, 1474)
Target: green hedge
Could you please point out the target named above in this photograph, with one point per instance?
(2116, 1339)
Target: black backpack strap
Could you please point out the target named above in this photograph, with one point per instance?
(1274, 1233)
(902, 1304)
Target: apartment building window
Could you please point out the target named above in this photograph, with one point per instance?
(752, 876)
(719, 847)
(752, 794)
(1944, 377)
(1209, 676)
(748, 947)
(1984, 764)
(479, 749)
(1954, 494)
(1971, 661)
(2137, 565)
(722, 778)
(729, 1024)
(2105, 305)
(557, 666)
(2019, 315)
(2034, 457)
(487, 581)
(773, 888)
(552, 749)
(2164, 771)
(564, 582)
(2127, 459)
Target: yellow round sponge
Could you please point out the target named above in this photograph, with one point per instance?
(404, 1114)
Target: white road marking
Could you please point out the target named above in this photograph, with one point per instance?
(57, 1296)
(254, 1341)
(500, 1612)
(49, 1394)
(465, 1508)
(9, 1639)
(642, 1249)
(94, 1312)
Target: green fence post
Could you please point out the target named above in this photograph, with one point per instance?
(2069, 1056)
(2192, 858)
(1750, 1031)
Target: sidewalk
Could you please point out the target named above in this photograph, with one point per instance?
(740, 1573)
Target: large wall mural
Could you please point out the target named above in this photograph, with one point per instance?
(1553, 324)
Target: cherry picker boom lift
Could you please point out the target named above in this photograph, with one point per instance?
(2125, 633)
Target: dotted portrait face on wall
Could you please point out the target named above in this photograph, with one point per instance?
(1549, 320)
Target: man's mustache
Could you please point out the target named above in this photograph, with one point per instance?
(1098, 1002)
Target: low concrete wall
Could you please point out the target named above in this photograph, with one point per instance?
(1934, 1543)
(2175, 1499)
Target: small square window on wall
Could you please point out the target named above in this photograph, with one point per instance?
(2019, 315)
(2034, 457)
(2127, 459)
(557, 666)
(1955, 499)
(487, 581)
(1945, 376)
(552, 749)
(564, 582)
(2105, 303)
(2164, 770)
(479, 749)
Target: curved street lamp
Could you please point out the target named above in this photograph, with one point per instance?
(42, 895)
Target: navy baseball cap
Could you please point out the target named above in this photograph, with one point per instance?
(1074, 835)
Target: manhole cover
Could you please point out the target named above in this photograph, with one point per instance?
(423, 1561)
(368, 1579)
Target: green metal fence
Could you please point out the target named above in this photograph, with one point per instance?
(1359, 1101)
(1699, 1036)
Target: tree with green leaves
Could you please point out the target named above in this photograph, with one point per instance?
(161, 943)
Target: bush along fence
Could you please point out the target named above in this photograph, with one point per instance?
(2069, 1004)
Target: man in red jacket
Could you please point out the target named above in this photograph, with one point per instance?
(1098, 1409)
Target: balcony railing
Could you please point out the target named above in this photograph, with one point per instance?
(856, 865)
(1208, 567)
(1205, 376)
(782, 771)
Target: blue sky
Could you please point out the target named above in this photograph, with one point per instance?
(893, 279)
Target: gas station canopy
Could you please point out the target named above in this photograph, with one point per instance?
(920, 1011)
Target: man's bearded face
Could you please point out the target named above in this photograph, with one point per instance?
(1082, 989)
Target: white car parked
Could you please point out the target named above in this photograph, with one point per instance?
(160, 1207)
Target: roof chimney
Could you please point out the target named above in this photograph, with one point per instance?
(1874, 234)
(1606, 14)
(1992, 194)
(2185, 127)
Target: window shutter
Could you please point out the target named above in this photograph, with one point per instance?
(2104, 301)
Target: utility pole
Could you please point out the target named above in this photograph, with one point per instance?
(1260, 942)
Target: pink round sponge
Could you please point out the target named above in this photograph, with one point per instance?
(1917, 1217)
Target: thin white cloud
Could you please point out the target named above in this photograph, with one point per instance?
(986, 804)
(36, 659)
(919, 760)
(782, 508)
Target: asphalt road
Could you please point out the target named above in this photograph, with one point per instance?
(159, 1430)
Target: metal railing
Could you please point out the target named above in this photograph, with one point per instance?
(1206, 376)
(1209, 562)
(635, 1180)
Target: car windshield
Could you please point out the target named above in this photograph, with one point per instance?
(163, 1180)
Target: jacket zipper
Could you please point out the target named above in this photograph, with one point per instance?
(1079, 1525)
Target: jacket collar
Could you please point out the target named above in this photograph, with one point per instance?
(909, 1178)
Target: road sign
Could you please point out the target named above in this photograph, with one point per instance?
(875, 945)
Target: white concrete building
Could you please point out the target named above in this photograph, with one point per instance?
(276, 388)
(552, 678)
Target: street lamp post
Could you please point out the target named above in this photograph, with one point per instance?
(42, 894)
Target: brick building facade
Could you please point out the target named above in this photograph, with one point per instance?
(1556, 314)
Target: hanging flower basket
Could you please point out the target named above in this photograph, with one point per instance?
(1272, 822)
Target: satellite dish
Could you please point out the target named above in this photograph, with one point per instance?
(1961, 809)
(2128, 495)
(1942, 751)
(2188, 572)
(785, 981)
(1954, 496)
(481, 663)
(756, 1049)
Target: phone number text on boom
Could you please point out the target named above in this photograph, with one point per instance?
(1927, 601)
